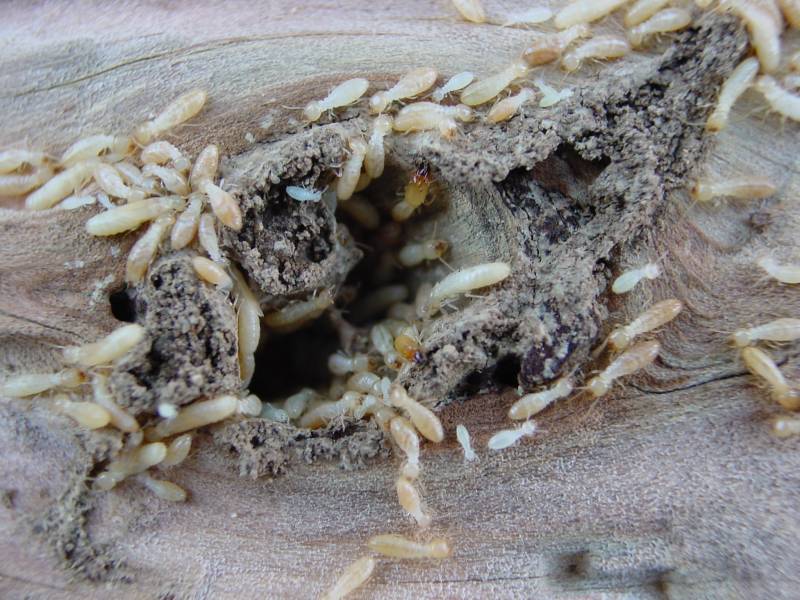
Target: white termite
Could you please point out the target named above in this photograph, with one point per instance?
(177, 450)
(106, 350)
(484, 90)
(325, 412)
(375, 157)
(462, 435)
(120, 418)
(550, 95)
(779, 330)
(251, 406)
(248, 318)
(785, 273)
(783, 427)
(585, 11)
(457, 82)
(423, 418)
(378, 301)
(192, 416)
(75, 202)
(110, 181)
(627, 363)
(630, 278)
(205, 167)
(362, 212)
(212, 273)
(185, 228)
(162, 152)
(94, 146)
(411, 85)
(130, 462)
(295, 405)
(509, 437)
(180, 110)
(274, 413)
(471, 10)
(415, 253)
(86, 414)
(765, 31)
(664, 21)
(642, 10)
(508, 107)
(364, 382)
(411, 501)
(406, 438)
(344, 94)
(62, 185)
(145, 249)
(340, 363)
(740, 79)
(223, 204)
(351, 170)
(172, 179)
(465, 280)
(549, 47)
(779, 99)
(29, 384)
(398, 546)
(16, 184)
(425, 116)
(534, 403)
(14, 160)
(760, 363)
(654, 317)
(351, 579)
(134, 177)
(532, 16)
(166, 490)
(302, 194)
(598, 48)
(207, 236)
(750, 187)
(299, 313)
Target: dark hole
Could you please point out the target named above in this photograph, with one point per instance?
(122, 305)
(507, 371)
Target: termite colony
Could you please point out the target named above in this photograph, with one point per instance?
(143, 180)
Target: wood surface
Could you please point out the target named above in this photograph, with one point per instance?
(671, 487)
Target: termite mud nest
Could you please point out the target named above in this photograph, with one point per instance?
(557, 193)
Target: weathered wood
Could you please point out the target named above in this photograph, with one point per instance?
(671, 487)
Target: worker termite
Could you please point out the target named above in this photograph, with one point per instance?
(274, 413)
(426, 422)
(462, 435)
(532, 404)
(16, 184)
(779, 330)
(171, 179)
(791, 10)
(212, 273)
(166, 490)
(412, 84)
(73, 202)
(784, 427)
(465, 280)
(351, 579)
(131, 462)
(29, 384)
(783, 273)
(484, 90)
(325, 412)
(376, 154)
(780, 100)
(177, 450)
(197, 414)
(343, 94)
(110, 181)
(406, 438)
(146, 247)
(740, 79)
(550, 95)
(627, 363)
(207, 236)
(162, 152)
(340, 363)
(351, 170)
(362, 212)
(550, 47)
(120, 418)
(205, 167)
(295, 405)
(759, 363)
(225, 207)
(13, 160)
(297, 314)
(185, 228)
(642, 10)
(95, 145)
(302, 194)
(424, 116)
(402, 311)
(398, 546)
(86, 414)
(365, 383)
(601, 48)
(764, 29)
(60, 186)
(415, 253)
(378, 301)
(471, 10)
(532, 16)
(133, 176)
(585, 11)
(654, 317)
(250, 406)
(106, 350)
(508, 107)
(509, 437)
(183, 108)
(664, 21)
(415, 194)
(383, 341)
(248, 318)
(410, 500)
(457, 82)
(742, 188)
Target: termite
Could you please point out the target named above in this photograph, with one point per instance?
(120, 418)
(162, 152)
(19, 386)
(340, 363)
(362, 212)
(133, 176)
(212, 273)
(146, 247)
(205, 167)
(410, 500)
(274, 413)
(462, 435)
(779, 330)
(16, 184)
(791, 10)
(784, 427)
(207, 236)
(185, 228)
(465, 280)
(295, 405)
(415, 253)
(343, 94)
(398, 546)
(223, 204)
(457, 82)
(471, 10)
(351, 579)
(532, 16)
(383, 341)
(601, 47)
(13, 160)
(170, 178)
(549, 47)
(73, 202)
(106, 350)
(759, 363)
(664, 21)
(509, 437)
(95, 145)
(251, 406)
(425, 116)
(302, 194)
(60, 186)
(415, 194)
(364, 382)
(131, 462)
(585, 11)
(351, 170)
(248, 318)
(110, 181)
(406, 438)
(508, 107)
(740, 79)
(407, 344)
(177, 450)
(783, 273)
(642, 10)
(166, 490)
(781, 101)
(654, 317)
(375, 157)
(765, 31)
(183, 108)
(426, 422)
(197, 414)
(742, 188)
(484, 90)
(297, 314)
(532, 404)
(550, 95)
(412, 84)
(327, 411)
(86, 414)
(627, 363)
(378, 301)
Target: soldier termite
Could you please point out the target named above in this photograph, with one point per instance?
(86, 414)
(212, 273)
(601, 48)
(171, 179)
(340, 363)
(183, 108)
(643, 10)
(779, 330)
(177, 450)
(351, 170)
(484, 90)
(343, 94)
(457, 82)
(550, 95)
(131, 462)
(407, 344)
(415, 194)
(94, 146)
(297, 314)
(412, 84)
(146, 247)
(780, 100)
(166, 490)
(29, 384)
(765, 31)
(627, 363)
(462, 435)
(585, 11)
(784, 427)
(325, 412)
(742, 188)
(508, 107)
(425, 116)
(14, 160)
(205, 167)
(16, 184)
(665, 21)
(759, 363)
(106, 350)
(471, 10)
(207, 236)
(120, 418)
(398, 546)
(549, 47)
(61, 186)
(197, 414)
(740, 79)
(130, 216)
(185, 228)
(532, 404)
(654, 317)
(302, 194)
(783, 273)
(376, 154)
(426, 422)
(351, 579)
(413, 254)
(509, 437)
(162, 152)
(410, 500)
(465, 280)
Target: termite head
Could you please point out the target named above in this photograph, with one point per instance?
(740, 338)
(439, 549)
(598, 387)
(464, 113)
(378, 103)
(788, 398)
(422, 175)
(440, 247)
(701, 191)
(312, 111)
(618, 339)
